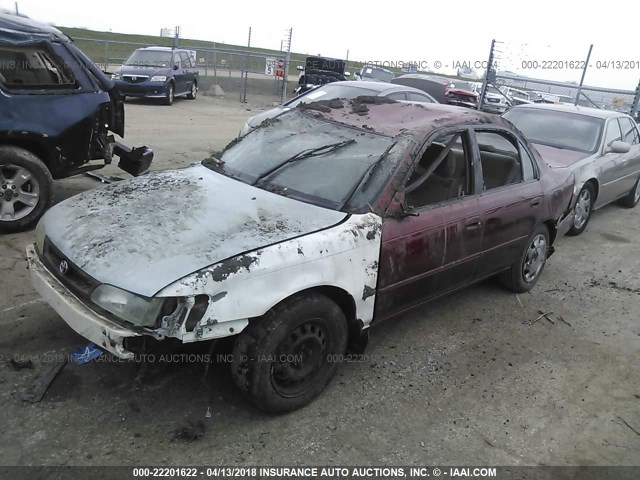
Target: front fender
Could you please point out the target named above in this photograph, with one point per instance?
(247, 286)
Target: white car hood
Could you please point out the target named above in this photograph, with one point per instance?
(143, 234)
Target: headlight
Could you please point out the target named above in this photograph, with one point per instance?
(115, 76)
(133, 308)
(159, 78)
(40, 236)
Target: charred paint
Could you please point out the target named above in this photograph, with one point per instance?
(229, 267)
(368, 292)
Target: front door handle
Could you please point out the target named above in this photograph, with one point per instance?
(535, 202)
(473, 224)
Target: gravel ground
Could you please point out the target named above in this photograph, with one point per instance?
(469, 379)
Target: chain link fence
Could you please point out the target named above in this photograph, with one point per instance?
(250, 75)
(512, 66)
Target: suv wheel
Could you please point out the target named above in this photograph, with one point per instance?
(194, 91)
(524, 274)
(170, 95)
(26, 189)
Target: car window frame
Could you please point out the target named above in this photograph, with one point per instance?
(46, 89)
(634, 127)
(606, 130)
(471, 164)
(518, 141)
(427, 98)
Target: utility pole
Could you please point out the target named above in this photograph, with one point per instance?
(489, 77)
(287, 62)
(176, 36)
(17, 12)
(584, 72)
(245, 72)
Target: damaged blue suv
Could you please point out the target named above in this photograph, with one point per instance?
(158, 72)
(58, 114)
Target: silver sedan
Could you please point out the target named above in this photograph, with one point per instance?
(601, 147)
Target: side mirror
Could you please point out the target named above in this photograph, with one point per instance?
(618, 147)
(347, 74)
(175, 66)
(300, 68)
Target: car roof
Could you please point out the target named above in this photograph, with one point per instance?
(16, 29)
(577, 109)
(159, 48)
(404, 119)
(431, 78)
(379, 87)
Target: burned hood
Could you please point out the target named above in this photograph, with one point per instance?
(146, 233)
(559, 157)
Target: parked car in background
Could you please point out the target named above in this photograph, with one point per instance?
(601, 147)
(336, 223)
(372, 73)
(495, 101)
(58, 113)
(347, 90)
(444, 90)
(320, 71)
(160, 73)
(516, 96)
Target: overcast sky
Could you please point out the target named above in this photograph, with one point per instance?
(446, 32)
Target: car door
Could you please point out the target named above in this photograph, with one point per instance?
(179, 74)
(630, 168)
(434, 247)
(511, 198)
(188, 69)
(610, 166)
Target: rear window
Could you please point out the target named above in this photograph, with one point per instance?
(36, 68)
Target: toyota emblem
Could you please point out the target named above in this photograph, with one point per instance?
(64, 267)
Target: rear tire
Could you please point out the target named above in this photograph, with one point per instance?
(194, 92)
(26, 189)
(633, 197)
(583, 209)
(285, 359)
(524, 274)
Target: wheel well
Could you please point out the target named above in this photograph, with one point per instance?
(596, 187)
(553, 232)
(38, 150)
(344, 300)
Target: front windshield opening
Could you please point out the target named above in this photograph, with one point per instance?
(313, 160)
(378, 74)
(558, 129)
(331, 92)
(149, 58)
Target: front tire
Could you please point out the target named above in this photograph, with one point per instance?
(633, 197)
(524, 274)
(583, 209)
(170, 95)
(26, 189)
(285, 359)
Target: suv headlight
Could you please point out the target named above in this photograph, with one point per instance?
(159, 78)
(133, 308)
(115, 76)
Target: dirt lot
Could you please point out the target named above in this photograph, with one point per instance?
(471, 379)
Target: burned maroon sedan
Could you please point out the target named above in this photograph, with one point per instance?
(302, 233)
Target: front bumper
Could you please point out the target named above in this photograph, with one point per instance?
(100, 330)
(141, 90)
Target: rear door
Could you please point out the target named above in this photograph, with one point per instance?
(630, 160)
(511, 198)
(436, 247)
